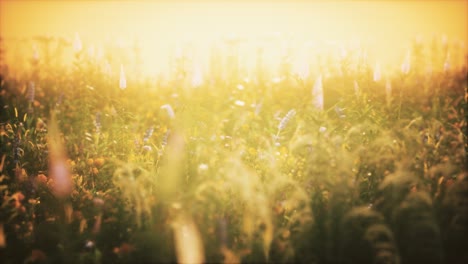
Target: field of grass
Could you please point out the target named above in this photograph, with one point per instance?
(344, 163)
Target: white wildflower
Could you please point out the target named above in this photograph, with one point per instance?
(377, 74)
(239, 103)
(148, 134)
(302, 69)
(405, 66)
(106, 68)
(276, 80)
(123, 80)
(197, 78)
(91, 51)
(203, 167)
(317, 93)
(291, 113)
(147, 148)
(77, 46)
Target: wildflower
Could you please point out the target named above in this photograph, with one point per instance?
(165, 138)
(169, 110)
(197, 78)
(239, 103)
(339, 112)
(203, 167)
(123, 81)
(276, 80)
(106, 68)
(303, 69)
(147, 148)
(377, 74)
(291, 113)
(89, 244)
(148, 134)
(97, 122)
(405, 66)
(41, 178)
(91, 51)
(16, 149)
(98, 162)
(77, 46)
(317, 93)
(322, 129)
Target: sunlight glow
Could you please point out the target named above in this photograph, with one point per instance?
(280, 29)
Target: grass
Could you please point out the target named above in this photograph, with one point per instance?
(98, 169)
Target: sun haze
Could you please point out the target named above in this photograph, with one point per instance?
(157, 25)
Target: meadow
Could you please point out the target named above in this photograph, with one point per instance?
(338, 160)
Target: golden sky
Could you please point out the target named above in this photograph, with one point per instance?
(158, 24)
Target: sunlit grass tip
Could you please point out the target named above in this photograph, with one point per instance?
(197, 78)
(77, 45)
(377, 72)
(169, 110)
(406, 66)
(317, 93)
(123, 80)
